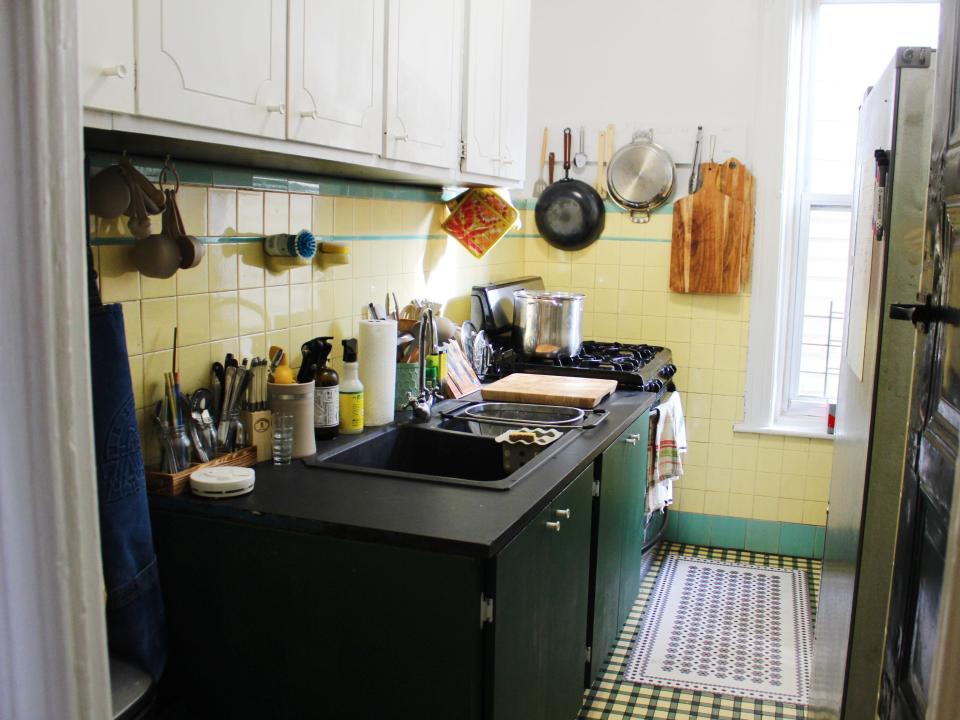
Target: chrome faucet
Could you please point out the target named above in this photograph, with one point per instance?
(425, 397)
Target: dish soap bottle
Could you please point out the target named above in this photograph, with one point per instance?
(326, 397)
(351, 391)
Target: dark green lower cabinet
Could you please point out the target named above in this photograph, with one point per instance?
(265, 622)
(540, 615)
(619, 517)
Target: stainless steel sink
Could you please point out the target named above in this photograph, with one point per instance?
(453, 451)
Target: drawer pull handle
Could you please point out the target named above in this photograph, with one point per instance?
(553, 526)
(633, 440)
(565, 514)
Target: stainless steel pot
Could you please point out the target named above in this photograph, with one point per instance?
(641, 177)
(547, 324)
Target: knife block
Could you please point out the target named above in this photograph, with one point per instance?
(257, 429)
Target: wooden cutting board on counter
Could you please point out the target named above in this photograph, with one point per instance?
(713, 232)
(549, 390)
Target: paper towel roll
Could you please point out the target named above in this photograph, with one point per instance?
(377, 356)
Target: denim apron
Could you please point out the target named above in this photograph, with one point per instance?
(135, 620)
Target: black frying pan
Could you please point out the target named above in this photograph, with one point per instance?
(569, 213)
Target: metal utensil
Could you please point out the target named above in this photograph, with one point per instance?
(695, 179)
(541, 184)
(580, 159)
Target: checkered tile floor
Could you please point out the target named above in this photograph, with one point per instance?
(610, 698)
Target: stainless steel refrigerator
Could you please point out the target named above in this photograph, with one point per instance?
(876, 370)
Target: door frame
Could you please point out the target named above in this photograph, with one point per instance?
(53, 653)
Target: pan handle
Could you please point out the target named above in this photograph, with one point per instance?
(553, 165)
(567, 145)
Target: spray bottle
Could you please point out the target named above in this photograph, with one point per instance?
(351, 391)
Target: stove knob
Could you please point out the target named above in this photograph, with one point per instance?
(653, 386)
(668, 371)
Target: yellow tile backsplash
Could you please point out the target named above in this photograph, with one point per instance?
(726, 473)
(234, 301)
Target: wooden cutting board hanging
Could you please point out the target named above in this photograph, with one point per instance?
(708, 236)
(737, 182)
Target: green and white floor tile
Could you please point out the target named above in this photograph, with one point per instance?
(611, 698)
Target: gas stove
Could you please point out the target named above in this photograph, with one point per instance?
(634, 366)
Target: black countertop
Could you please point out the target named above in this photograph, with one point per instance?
(422, 514)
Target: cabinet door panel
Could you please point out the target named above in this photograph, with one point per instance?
(569, 554)
(513, 101)
(424, 45)
(336, 73)
(482, 99)
(106, 55)
(608, 556)
(540, 612)
(634, 505)
(216, 63)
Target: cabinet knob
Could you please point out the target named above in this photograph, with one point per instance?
(553, 526)
(119, 71)
(632, 440)
(281, 108)
(506, 161)
(401, 138)
(565, 514)
(310, 114)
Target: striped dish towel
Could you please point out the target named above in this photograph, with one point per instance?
(668, 440)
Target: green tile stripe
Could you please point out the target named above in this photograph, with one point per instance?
(767, 536)
(241, 239)
(607, 237)
(531, 203)
(194, 173)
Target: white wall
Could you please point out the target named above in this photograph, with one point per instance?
(668, 65)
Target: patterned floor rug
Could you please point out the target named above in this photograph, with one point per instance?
(726, 628)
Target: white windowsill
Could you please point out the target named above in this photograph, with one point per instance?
(797, 430)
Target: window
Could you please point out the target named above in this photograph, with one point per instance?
(848, 45)
(820, 56)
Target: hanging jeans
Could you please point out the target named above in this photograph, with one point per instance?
(135, 621)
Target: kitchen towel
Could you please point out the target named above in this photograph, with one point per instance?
(377, 357)
(668, 440)
(135, 619)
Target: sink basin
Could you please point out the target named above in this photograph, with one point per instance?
(458, 455)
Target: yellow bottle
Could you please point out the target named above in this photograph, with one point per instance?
(351, 391)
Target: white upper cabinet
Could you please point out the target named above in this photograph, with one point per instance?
(495, 99)
(215, 63)
(515, 87)
(424, 47)
(481, 111)
(336, 73)
(106, 55)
